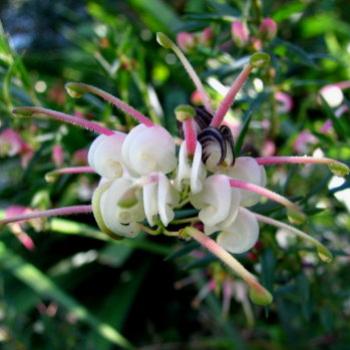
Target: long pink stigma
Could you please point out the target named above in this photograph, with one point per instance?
(77, 89)
(336, 167)
(257, 292)
(40, 112)
(53, 175)
(262, 191)
(76, 209)
(230, 96)
(274, 160)
(190, 136)
(75, 170)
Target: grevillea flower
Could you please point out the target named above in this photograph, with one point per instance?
(144, 180)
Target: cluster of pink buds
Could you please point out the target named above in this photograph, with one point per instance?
(12, 144)
(242, 36)
(145, 180)
(189, 41)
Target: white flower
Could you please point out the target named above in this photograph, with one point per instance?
(158, 198)
(119, 207)
(247, 169)
(149, 149)
(189, 171)
(241, 235)
(218, 202)
(105, 155)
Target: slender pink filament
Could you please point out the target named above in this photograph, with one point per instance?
(226, 258)
(75, 170)
(70, 119)
(342, 84)
(230, 97)
(263, 192)
(76, 209)
(292, 160)
(190, 135)
(117, 103)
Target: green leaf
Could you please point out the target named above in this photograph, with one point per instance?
(157, 14)
(340, 127)
(288, 9)
(46, 288)
(69, 227)
(294, 52)
(246, 121)
(184, 250)
(117, 304)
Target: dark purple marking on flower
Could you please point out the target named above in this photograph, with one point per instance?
(208, 135)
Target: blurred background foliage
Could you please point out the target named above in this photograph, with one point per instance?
(75, 289)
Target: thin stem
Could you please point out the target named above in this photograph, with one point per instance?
(336, 167)
(232, 263)
(322, 251)
(39, 112)
(75, 170)
(292, 160)
(190, 136)
(53, 175)
(247, 186)
(77, 89)
(342, 84)
(76, 209)
(230, 96)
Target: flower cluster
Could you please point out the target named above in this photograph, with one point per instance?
(145, 178)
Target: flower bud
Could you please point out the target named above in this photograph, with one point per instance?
(206, 36)
(268, 29)
(240, 33)
(186, 41)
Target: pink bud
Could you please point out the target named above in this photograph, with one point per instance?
(326, 127)
(256, 43)
(269, 148)
(240, 33)
(15, 210)
(268, 29)
(57, 155)
(302, 142)
(80, 156)
(196, 98)
(206, 36)
(10, 142)
(26, 241)
(286, 102)
(186, 41)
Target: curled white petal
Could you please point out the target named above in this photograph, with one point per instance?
(167, 198)
(215, 201)
(190, 172)
(247, 169)
(121, 220)
(150, 202)
(234, 206)
(105, 155)
(241, 235)
(149, 149)
(159, 198)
